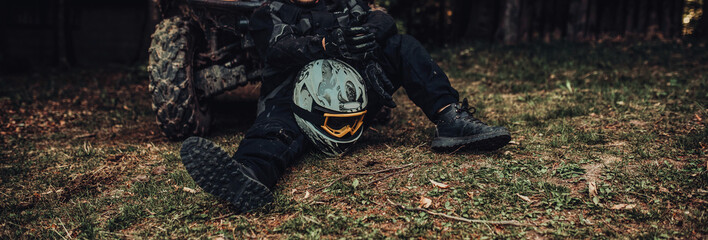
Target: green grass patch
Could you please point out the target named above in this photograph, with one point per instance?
(81, 156)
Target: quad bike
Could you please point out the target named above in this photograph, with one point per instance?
(200, 49)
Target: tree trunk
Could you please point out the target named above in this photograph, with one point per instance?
(606, 20)
(442, 16)
(653, 26)
(510, 27)
(547, 13)
(629, 26)
(677, 19)
(61, 35)
(620, 18)
(573, 18)
(525, 20)
(561, 19)
(666, 13)
(642, 16)
(461, 18)
(592, 31)
(702, 27)
(583, 13)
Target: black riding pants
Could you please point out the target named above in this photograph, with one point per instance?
(275, 141)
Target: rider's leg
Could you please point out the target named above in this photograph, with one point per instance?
(409, 65)
(269, 147)
(274, 141)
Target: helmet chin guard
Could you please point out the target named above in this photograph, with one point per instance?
(329, 104)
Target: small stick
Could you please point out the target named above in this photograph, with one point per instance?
(222, 217)
(332, 182)
(117, 234)
(363, 173)
(383, 170)
(57, 232)
(149, 212)
(85, 135)
(512, 222)
(64, 227)
(387, 176)
(392, 174)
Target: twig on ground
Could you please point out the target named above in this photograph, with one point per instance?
(149, 212)
(512, 222)
(396, 173)
(68, 235)
(387, 176)
(118, 234)
(57, 232)
(222, 217)
(639, 194)
(85, 135)
(362, 173)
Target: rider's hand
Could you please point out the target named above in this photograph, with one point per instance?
(377, 80)
(354, 43)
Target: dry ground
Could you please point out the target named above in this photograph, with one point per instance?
(609, 141)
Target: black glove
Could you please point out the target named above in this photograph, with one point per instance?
(376, 79)
(353, 43)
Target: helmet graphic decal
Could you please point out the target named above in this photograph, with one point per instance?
(305, 98)
(329, 103)
(350, 98)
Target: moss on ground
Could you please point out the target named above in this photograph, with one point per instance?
(609, 141)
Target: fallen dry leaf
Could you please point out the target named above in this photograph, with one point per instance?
(525, 198)
(115, 158)
(307, 195)
(439, 184)
(425, 202)
(618, 206)
(623, 206)
(141, 178)
(150, 212)
(592, 189)
(189, 190)
(470, 195)
(159, 170)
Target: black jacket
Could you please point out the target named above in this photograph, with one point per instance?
(289, 36)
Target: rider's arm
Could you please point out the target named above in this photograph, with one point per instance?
(382, 25)
(280, 43)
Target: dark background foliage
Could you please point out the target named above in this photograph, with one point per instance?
(513, 21)
(63, 33)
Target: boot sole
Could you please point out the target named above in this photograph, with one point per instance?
(485, 141)
(215, 172)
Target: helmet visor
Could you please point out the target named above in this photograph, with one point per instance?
(341, 124)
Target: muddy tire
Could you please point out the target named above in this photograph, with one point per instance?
(180, 112)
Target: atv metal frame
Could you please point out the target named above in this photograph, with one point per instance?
(223, 42)
(200, 49)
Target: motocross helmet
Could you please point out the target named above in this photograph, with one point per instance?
(329, 104)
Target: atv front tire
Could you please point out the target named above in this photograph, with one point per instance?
(180, 111)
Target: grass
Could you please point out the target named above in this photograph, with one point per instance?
(81, 156)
